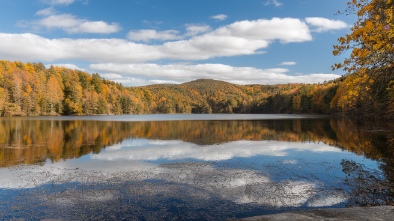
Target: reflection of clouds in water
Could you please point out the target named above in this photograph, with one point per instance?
(114, 147)
(126, 164)
(176, 150)
(327, 199)
(197, 180)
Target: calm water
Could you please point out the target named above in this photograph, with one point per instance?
(190, 167)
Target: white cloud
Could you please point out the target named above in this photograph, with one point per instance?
(58, 2)
(148, 35)
(276, 3)
(98, 27)
(63, 21)
(46, 12)
(211, 45)
(44, 49)
(284, 29)
(70, 24)
(239, 38)
(324, 24)
(179, 73)
(288, 63)
(220, 17)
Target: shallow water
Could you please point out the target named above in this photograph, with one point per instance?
(194, 167)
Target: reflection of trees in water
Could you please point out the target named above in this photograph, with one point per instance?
(32, 141)
(367, 187)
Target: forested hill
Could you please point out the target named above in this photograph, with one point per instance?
(211, 96)
(30, 89)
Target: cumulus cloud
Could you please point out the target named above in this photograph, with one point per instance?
(44, 49)
(285, 30)
(324, 24)
(179, 73)
(69, 23)
(239, 38)
(288, 63)
(219, 17)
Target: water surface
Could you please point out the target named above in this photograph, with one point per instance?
(201, 167)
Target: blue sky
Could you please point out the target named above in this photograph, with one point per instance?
(141, 42)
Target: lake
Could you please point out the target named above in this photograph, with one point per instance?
(190, 167)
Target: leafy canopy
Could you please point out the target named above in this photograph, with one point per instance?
(371, 40)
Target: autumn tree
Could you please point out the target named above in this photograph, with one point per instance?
(90, 101)
(371, 40)
(72, 93)
(32, 91)
(371, 46)
(53, 95)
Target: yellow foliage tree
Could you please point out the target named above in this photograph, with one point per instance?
(371, 61)
(372, 38)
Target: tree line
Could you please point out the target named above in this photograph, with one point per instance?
(30, 89)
